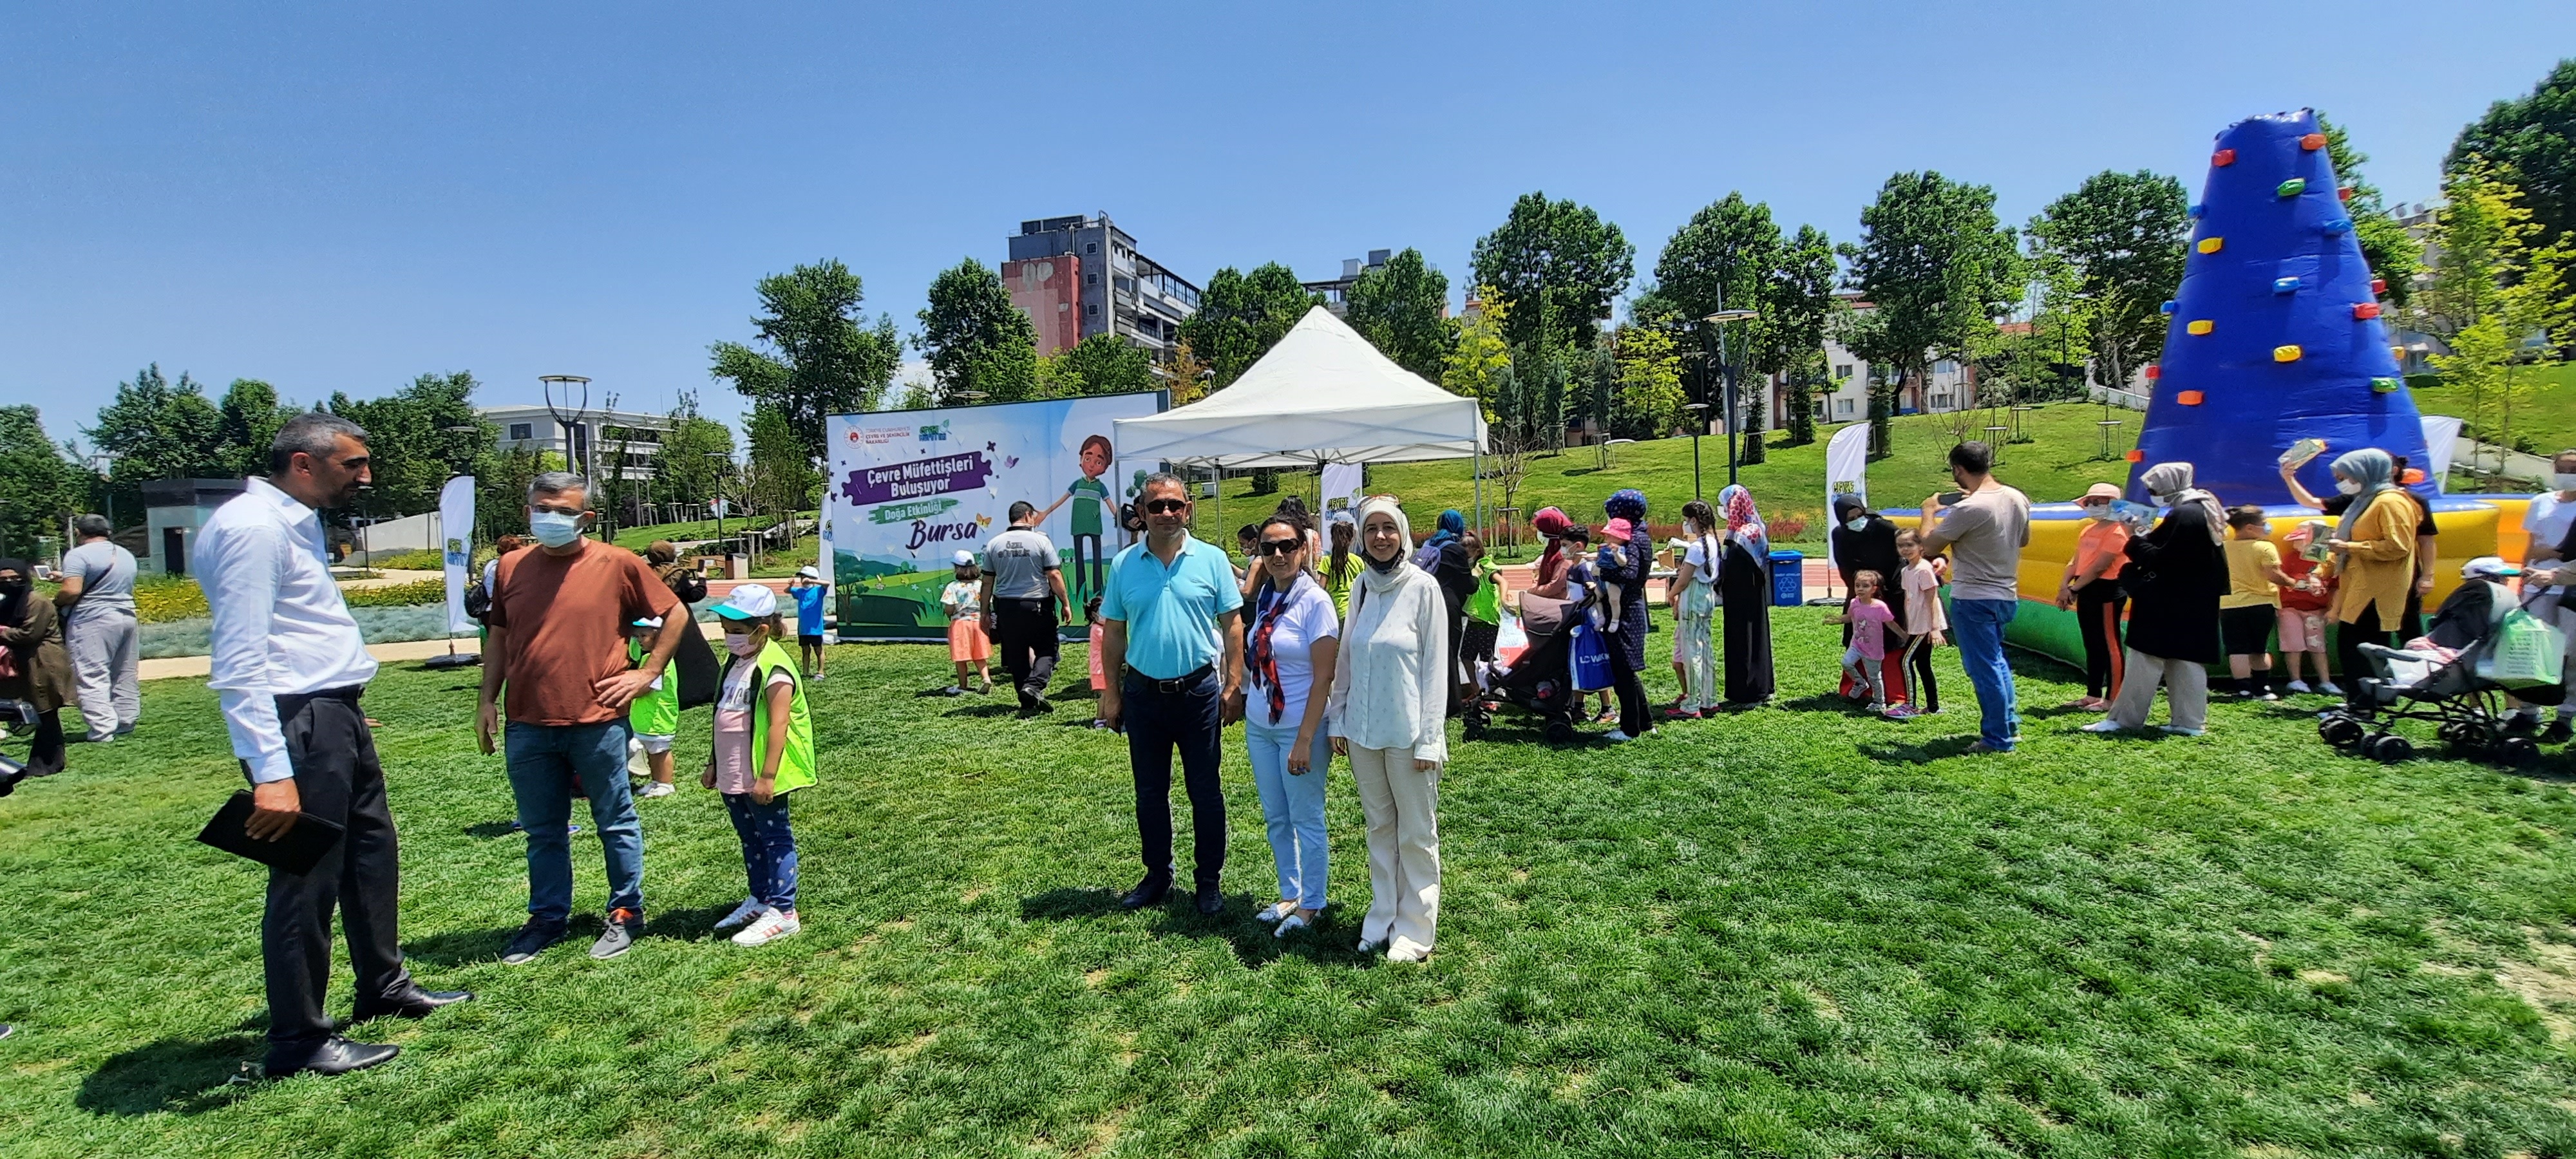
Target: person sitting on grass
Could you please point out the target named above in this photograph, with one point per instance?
(807, 590)
(963, 600)
(654, 717)
(1865, 659)
(2252, 605)
(763, 750)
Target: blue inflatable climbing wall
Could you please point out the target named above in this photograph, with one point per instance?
(2275, 335)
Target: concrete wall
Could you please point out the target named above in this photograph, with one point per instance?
(1049, 291)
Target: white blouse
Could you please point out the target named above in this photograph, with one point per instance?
(1391, 678)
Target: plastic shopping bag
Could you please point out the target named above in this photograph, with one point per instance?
(2525, 652)
(1588, 659)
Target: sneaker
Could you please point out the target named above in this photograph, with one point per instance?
(2104, 725)
(1293, 921)
(953, 690)
(1681, 714)
(618, 936)
(2327, 687)
(2267, 694)
(2179, 730)
(770, 926)
(1878, 708)
(654, 789)
(817, 677)
(1369, 947)
(2298, 686)
(1615, 736)
(532, 940)
(750, 908)
(1271, 913)
(1902, 712)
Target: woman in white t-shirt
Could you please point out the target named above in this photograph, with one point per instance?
(1288, 675)
(1694, 598)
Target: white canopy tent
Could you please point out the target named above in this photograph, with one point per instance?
(1322, 395)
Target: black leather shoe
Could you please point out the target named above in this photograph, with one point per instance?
(1147, 892)
(1211, 900)
(336, 1056)
(416, 1004)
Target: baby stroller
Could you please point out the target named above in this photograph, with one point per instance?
(1539, 680)
(2447, 683)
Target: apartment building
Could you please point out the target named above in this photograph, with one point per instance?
(1079, 276)
(1337, 291)
(630, 437)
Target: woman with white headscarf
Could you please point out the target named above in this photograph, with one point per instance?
(2373, 560)
(1388, 713)
(2174, 578)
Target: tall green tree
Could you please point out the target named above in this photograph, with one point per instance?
(39, 484)
(781, 480)
(251, 416)
(1798, 306)
(1938, 269)
(1241, 316)
(981, 347)
(1478, 358)
(158, 429)
(697, 453)
(2531, 139)
(412, 442)
(1402, 308)
(1721, 259)
(2394, 255)
(1557, 267)
(2121, 237)
(1099, 364)
(815, 357)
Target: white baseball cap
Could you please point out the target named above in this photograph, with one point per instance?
(808, 572)
(963, 558)
(749, 602)
(2488, 565)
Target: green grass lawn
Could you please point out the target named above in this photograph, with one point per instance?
(1792, 932)
(2063, 459)
(2547, 417)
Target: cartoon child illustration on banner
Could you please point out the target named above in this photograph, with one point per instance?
(1091, 499)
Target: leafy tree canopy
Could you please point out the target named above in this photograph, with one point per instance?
(981, 347)
(1241, 316)
(814, 359)
(2532, 139)
(410, 444)
(39, 485)
(1099, 364)
(2393, 255)
(1937, 268)
(1402, 307)
(2121, 238)
(1557, 266)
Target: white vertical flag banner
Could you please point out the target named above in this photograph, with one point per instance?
(1846, 473)
(456, 529)
(2441, 437)
(1340, 481)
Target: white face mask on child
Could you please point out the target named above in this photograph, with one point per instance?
(742, 643)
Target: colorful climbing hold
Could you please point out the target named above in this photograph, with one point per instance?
(2135, 455)
(2385, 385)
(2211, 245)
(2166, 308)
(2343, 193)
(2378, 285)
(2364, 311)
(2285, 285)
(2223, 157)
(2292, 187)
(2313, 142)
(2154, 372)
(2196, 209)
(2338, 224)
(2188, 398)
(2200, 326)
(2289, 353)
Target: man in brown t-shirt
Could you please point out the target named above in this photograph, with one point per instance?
(556, 666)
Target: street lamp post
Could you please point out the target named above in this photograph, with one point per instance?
(1726, 370)
(1699, 424)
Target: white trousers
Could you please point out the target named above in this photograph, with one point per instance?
(2186, 691)
(1402, 807)
(103, 648)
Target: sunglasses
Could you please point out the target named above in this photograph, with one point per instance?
(1279, 546)
(1165, 506)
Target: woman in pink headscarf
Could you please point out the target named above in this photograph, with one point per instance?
(1744, 591)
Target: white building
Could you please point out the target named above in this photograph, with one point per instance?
(630, 437)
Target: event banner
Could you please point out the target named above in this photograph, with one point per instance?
(456, 527)
(909, 489)
(1846, 471)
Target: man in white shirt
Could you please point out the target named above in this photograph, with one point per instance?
(289, 665)
(2547, 520)
(97, 600)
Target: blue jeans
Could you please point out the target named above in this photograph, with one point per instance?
(1293, 807)
(545, 760)
(1979, 627)
(768, 848)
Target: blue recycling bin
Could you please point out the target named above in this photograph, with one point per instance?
(1788, 578)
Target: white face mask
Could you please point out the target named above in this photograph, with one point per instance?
(2097, 511)
(1856, 522)
(2348, 486)
(742, 643)
(554, 528)
(2564, 480)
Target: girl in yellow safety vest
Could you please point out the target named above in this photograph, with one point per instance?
(763, 750)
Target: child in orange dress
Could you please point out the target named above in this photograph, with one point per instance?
(963, 600)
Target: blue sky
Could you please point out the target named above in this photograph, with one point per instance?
(344, 196)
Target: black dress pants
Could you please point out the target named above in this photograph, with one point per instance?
(337, 779)
(2097, 620)
(1159, 717)
(1630, 688)
(1025, 632)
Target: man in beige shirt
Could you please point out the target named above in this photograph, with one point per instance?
(1984, 531)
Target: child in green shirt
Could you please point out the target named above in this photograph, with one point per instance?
(654, 717)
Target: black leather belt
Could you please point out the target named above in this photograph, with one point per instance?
(1176, 685)
(289, 701)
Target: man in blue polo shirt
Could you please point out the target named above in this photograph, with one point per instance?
(1174, 662)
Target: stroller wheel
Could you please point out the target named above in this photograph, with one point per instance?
(1559, 732)
(2389, 748)
(2521, 752)
(2340, 731)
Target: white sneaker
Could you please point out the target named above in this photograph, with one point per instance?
(2106, 724)
(953, 690)
(2328, 687)
(654, 789)
(1407, 954)
(770, 926)
(1369, 947)
(1294, 921)
(2298, 686)
(742, 914)
(1271, 913)
(1615, 736)
(2179, 730)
